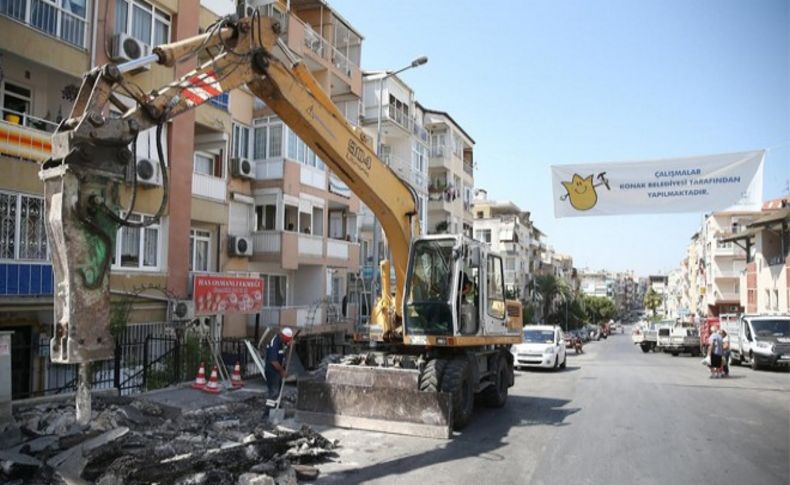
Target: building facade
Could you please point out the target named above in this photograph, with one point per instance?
(451, 171)
(291, 222)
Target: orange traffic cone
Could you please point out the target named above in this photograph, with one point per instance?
(212, 387)
(235, 378)
(200, 380)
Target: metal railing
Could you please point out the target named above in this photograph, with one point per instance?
(27, 120)
(145, 357)
(49, 18)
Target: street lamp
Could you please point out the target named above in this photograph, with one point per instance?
(415, 63)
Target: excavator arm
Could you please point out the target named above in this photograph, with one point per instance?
(91, 156)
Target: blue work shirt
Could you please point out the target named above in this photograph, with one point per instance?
(275, 352)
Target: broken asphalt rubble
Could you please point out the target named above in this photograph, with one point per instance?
(134, 441)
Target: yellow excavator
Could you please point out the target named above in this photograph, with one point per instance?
(443, 335)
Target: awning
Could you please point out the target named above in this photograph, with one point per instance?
(747, 234)
(772, 218)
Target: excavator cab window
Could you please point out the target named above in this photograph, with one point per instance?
(430, 288)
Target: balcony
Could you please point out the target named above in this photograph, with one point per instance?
(418, 180)
(25, 136)
(25, 279)
(68, 25)
(266, 242)
(209, 187)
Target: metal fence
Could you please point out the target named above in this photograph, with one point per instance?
(145, 357)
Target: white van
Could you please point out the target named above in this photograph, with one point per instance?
(761, 340)
(543, 346)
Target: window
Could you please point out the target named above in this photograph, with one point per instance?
(22, 231)
(208, 164)
(483, 235)
(496, 288)
(267, 138)
(274, 288)
(241, 141)
(299, 151)
(199, 249)
(137, 247)
(265, 217)
(16, 100)
(145, 23)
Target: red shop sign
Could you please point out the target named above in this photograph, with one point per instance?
(227, 294)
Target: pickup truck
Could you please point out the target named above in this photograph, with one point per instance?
(761, 341)
(645, 335)
(683, 339)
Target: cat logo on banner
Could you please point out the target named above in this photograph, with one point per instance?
(695, 184)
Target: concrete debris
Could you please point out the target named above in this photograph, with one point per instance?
(135, 441)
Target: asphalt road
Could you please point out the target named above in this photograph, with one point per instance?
(614, 416)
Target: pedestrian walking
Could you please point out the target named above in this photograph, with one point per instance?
(275, 357)
(715, 351)
(725, 356)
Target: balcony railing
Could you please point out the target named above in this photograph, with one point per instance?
(222, 101)
(325, 50)
(469, 168)
(271, 169)
(208, 186)
(25, 279)
(311, 246)
(407, 172)
(25, 136)
(337, 249)
(48, 17)
(266, 241)
(312, 176)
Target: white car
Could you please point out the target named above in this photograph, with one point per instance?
(542, 346)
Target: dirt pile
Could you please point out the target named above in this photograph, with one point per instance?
(133, 441)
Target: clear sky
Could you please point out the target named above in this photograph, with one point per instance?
(538, 83)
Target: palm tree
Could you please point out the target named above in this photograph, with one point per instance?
(653, 300)
(549, 288)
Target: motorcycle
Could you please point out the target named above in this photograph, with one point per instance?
(578, 346)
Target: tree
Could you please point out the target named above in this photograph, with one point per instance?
(528, 314)
(550, 288)
(599, 308)
(653, 300)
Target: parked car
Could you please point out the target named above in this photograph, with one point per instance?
(645, 335)
(761, 340)
(542, 346)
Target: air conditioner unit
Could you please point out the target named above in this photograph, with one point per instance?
(242, 168)
(240, 246)
(148, 173)
(126, 48)
(180, 310)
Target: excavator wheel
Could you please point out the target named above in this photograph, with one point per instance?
(431, 375)
(457, 381)
(495, 395)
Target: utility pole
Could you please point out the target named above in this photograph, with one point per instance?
(376, 256)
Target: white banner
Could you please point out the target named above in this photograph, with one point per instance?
(696, 184)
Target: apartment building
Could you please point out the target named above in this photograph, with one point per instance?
(723, 261)
(451, 169)
(764, 283)
(596, 283)
(305, 224)
(508, 230)
(291, 222)
(47, 46)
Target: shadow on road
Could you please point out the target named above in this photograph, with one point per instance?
(541, 370)
(480, 439)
